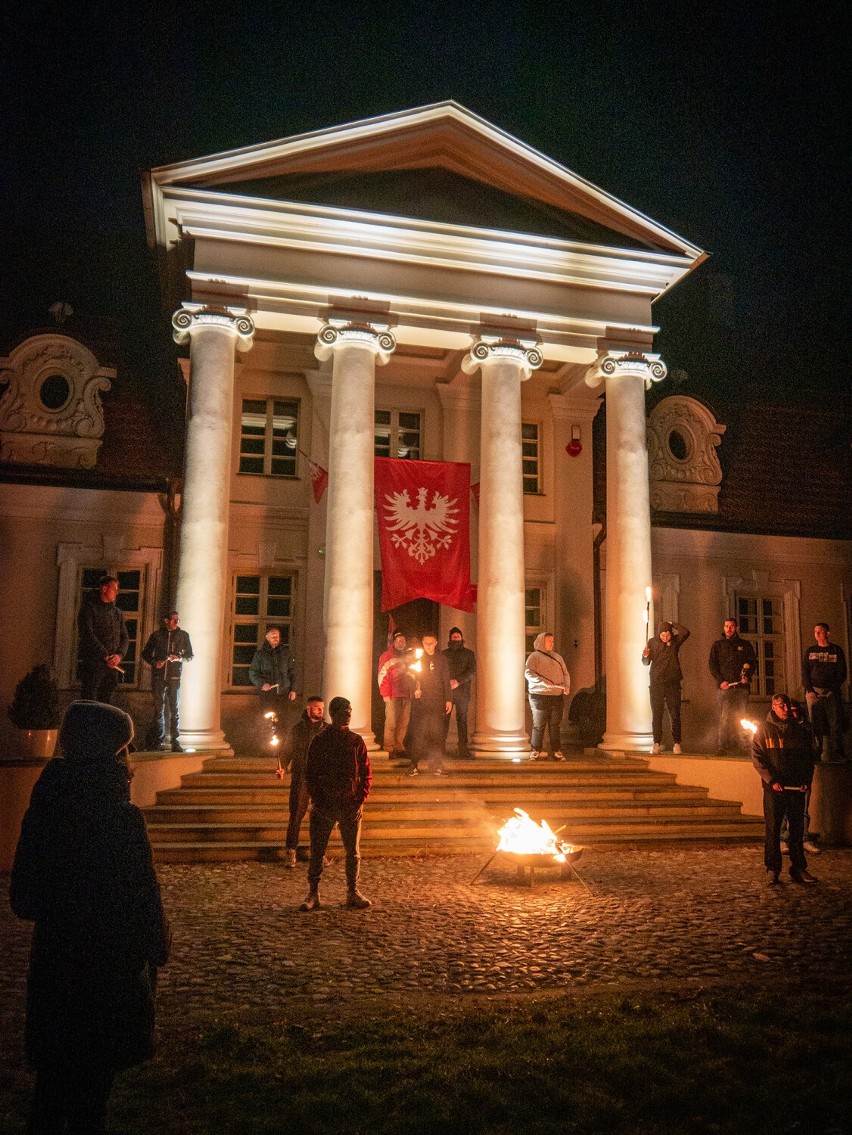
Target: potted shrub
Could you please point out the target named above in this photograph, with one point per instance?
(36, 711)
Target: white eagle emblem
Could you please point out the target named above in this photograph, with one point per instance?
(424, 528)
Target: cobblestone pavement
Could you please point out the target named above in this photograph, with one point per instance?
(684, 913)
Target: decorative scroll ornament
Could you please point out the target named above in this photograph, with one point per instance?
(684, 468)
(487, 349)
(338, 334)
(649, 367)
(233, 319)
(51, 412)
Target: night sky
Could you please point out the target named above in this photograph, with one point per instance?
(725, 122)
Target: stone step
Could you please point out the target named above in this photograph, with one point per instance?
(582, 830)
(439, 812)
(380, 765)
(748, 830)
(419, 793)
(454, 779)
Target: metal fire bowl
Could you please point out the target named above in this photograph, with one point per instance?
(535, 862)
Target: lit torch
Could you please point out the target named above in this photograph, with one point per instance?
(749, 726)
(647, 614)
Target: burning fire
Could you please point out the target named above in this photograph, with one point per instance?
(749, 725)
(418, 665)
(522, 836)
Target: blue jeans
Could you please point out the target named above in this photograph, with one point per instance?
(546, 711)
(165, 693)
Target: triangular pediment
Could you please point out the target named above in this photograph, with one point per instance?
(438, 157)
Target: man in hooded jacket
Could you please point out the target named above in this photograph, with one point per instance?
(783, 754)
(83, 874)
(661, 653)
(461, 663)
(548, 681)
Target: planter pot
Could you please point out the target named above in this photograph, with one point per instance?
(37, 742)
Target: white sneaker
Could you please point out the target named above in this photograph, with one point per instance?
(677, 750)
(656, 747)
(811, 847)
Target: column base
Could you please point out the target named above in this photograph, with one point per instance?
(497, 746)
(627, 742)
(205, 741)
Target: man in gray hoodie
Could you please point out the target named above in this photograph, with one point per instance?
(548, 681)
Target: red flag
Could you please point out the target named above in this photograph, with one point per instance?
(319, 479)
(423, 510)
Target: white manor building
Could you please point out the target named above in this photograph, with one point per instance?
(420, 285)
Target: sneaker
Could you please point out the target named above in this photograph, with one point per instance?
(357, 901)
(535, 755)
(312, 902)
(772, 878)
(803, 877)
(677, 750)
(176, 747)
(557, 756)
(656, 747)
(413, 771)
(438, 772)
(290, 857)
(811, 847)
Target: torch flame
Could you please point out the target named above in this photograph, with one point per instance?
(648, 594)
(749, 725)
(523, 836)
(273, 741)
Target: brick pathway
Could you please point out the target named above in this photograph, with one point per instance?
(683, 913)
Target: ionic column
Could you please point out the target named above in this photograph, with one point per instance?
(202, 588)
(628, 543)
(355, 350)
(500, 604)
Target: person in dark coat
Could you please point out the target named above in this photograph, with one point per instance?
(733, 664)
(462, 666)
(432, 703)
(83, 874)
(103, 642)
(165, 652)
(661, 653)
(783, 754)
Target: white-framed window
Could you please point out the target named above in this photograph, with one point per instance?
(269, 437)
(531, 457)
(761, 622)
(398, 433)
(259, 601)
(536, 615)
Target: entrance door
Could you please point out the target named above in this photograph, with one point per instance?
(414, 619)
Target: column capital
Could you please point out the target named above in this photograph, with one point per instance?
(491, 348)
(234, 320)
(640, 364)
(369, 336)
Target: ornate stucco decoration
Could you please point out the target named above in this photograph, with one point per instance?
(51, 412)
(683, 464)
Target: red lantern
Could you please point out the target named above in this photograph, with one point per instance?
(574, 448)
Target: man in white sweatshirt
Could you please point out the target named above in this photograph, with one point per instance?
(548, 681)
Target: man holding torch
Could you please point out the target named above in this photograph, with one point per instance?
(733, 664)
(783, 754)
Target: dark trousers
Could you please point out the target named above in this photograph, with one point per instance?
(733, 705)
(665, 696)
(777, 805)
(299, 801)
(166, 693)
(321, 827)
(98, 682)
(427, 732)
(461, 702)
(827, 721)
(72, 1095)
(546, 713)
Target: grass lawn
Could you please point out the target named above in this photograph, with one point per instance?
(702, 1059)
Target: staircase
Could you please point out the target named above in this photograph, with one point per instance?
(236, 809)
